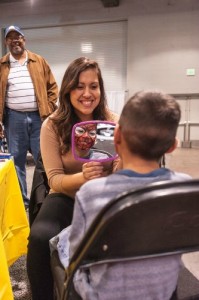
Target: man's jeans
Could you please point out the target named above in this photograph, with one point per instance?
(22, 130)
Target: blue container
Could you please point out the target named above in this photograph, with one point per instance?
(5, 156)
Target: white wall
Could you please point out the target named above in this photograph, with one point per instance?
(161, 47)
(163, 39)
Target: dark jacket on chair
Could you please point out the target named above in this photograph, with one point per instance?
(40, 189)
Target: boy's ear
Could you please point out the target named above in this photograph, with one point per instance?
(117, 134)
(173, 147)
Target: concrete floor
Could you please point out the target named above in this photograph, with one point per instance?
(186, 160)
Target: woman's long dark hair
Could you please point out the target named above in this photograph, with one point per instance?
(65, 116)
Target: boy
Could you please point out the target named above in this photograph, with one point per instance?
(146, 131)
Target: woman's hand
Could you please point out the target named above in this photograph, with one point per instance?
(92, 170)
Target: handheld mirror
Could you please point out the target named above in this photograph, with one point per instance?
(93, 141)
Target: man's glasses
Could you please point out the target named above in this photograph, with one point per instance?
(10, 39)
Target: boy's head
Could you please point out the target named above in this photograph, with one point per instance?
(148, 124)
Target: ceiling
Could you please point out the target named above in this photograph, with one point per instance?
(11, 1)
(106, 3)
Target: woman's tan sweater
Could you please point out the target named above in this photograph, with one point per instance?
(58, 166)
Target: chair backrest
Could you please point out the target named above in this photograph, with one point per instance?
(157, 220)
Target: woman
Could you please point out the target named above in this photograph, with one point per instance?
(82, 98)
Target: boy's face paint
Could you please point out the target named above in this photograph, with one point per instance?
(85, 136)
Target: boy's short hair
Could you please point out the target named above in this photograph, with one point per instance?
(149, 122)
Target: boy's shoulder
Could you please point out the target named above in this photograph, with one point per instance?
(96, 193)
(101, 189)
(98, 183)
(127, 179)
(179, 176)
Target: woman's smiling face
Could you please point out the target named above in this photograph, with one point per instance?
(86, 96)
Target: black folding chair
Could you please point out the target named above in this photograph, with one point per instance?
(157, 220)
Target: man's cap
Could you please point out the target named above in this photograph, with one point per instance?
(13, 28)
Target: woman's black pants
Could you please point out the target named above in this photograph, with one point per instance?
(55, 214)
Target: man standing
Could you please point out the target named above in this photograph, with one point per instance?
(28, 94)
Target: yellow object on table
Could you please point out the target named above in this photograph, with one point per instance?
(14, 225)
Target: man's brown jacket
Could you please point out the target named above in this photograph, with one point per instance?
(44, 83)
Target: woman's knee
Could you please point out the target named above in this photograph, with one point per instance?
(40, 234)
